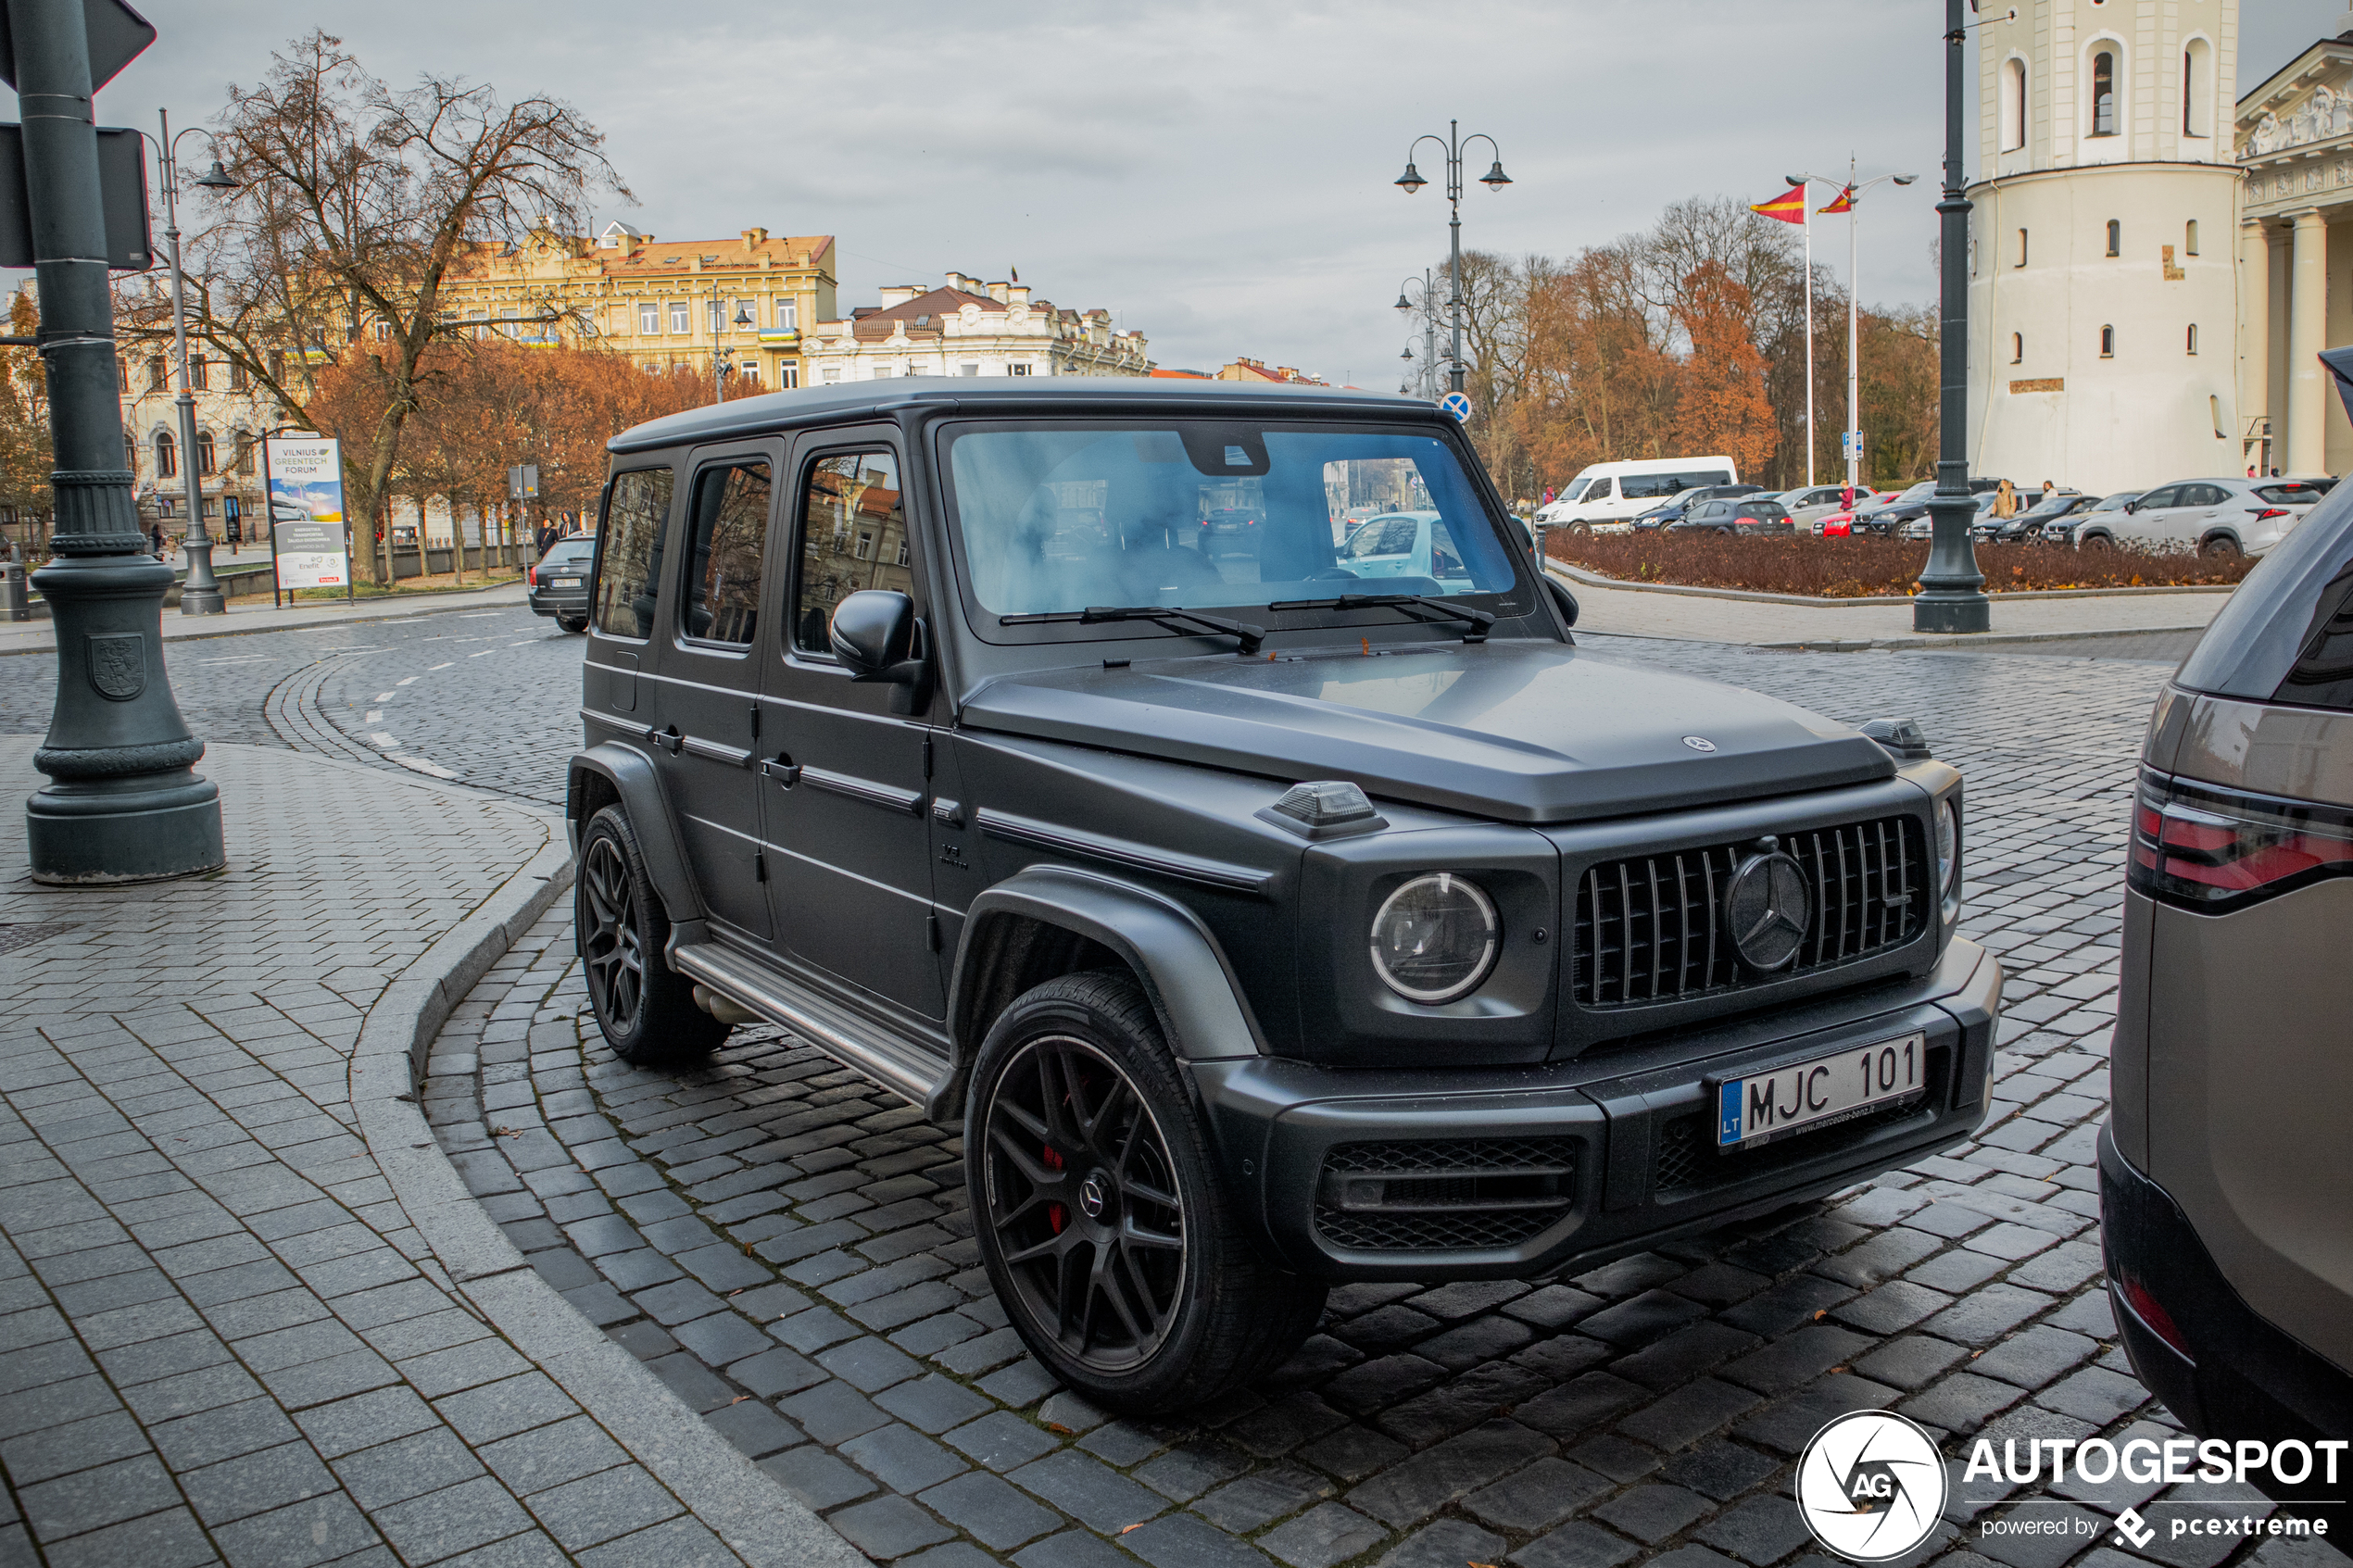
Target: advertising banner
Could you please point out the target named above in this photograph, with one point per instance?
(305, 512)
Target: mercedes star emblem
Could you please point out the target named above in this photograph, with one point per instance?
(1766, 908)
(1699, 743)
(1090, 1195)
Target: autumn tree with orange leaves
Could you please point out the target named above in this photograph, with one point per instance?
(1720, 405)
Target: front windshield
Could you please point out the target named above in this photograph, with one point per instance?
(1053, 519)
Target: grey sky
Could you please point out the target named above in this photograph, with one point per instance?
(1217, 172)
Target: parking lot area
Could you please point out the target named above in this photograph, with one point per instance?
(788, 1248)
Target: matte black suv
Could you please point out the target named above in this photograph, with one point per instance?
(1260, 927)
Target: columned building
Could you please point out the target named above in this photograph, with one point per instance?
(2103, 300)
(970, 327)
(2295, 257)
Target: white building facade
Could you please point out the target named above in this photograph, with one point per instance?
(970, 327)
(2103, 299)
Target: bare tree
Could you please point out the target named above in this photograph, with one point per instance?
(359, 201)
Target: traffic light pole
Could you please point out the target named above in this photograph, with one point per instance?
(124, 803)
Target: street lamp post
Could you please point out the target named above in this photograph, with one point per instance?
(1494, 180)
(201, 594)
(1853, 440)
(124, 802)
(1429, 330)
(719, 366)
(1952, 595)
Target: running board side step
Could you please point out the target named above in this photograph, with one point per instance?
(897, 1063)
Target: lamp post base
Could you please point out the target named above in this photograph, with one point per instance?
(91, 833)
(200, 595)
(1952, 613)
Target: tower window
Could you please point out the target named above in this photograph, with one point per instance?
(2021, 247)
(2193, 344)
(2108, 343)
(2115, 237)
(2197, 89)
(2189, 238)
(2018, 348)
(2013, 104)
(2104, 94)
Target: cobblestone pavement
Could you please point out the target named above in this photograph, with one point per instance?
(788, 1248)
(220, 1337)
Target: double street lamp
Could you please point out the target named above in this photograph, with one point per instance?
(1494, 180)
(720, 368)
(1405, 304)
(201, 594)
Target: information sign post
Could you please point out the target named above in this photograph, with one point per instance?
(310, 539)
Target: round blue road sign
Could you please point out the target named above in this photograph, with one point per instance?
(1456, 404)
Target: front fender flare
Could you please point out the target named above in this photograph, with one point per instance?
(1184, 973)
(631, 775)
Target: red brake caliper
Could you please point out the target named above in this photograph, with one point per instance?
(1055, 1213)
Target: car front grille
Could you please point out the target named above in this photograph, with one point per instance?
(1651, 928)
(1445, 1195)
(1688, 1163)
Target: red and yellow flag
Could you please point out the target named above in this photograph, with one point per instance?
(1789, 206)
(1845, 202)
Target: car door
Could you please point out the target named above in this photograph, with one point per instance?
(2205, 507)
(845, 782)
(2146, 520)
(711, 680)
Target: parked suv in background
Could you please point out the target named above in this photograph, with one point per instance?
(2218, 518)
(1260, 925)
(558, 582)
(2226, 1174)
(1752, 516)
(1669, 513)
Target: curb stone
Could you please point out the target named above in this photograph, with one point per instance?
(743, 1506)
(463, 599)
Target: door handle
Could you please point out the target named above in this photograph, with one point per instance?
(669, 740)
(784, 770)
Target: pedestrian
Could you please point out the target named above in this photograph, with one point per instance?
(157, 532)
(546, 536)
(2250, 470)
(2048, 488)
(1548, 494)
(2005, 500)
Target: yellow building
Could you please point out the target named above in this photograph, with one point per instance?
(666, 304)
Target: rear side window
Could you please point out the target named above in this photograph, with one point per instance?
(727, 536)
(2293, 494)
(639, 508)
(2286, 634)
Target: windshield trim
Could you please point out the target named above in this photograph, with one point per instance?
(1521, 599)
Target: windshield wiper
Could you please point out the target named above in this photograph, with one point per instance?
(1479, 620)
(1171, 616)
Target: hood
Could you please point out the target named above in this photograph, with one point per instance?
(1520, 732)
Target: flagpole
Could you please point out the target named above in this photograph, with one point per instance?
(1809, 195)
(1853, 440)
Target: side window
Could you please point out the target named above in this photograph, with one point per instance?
(728, 531)
(1444, 560)
(2156, 500)
(853, 536)
(2322, 674)
(625, 583)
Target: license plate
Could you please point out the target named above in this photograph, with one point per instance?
(563, 581)
(1828, 1090)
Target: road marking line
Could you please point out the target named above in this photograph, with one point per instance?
(383, 697)
(243, 659)
(422, 766)
(412, 679)
(526, 644)
(429, 671)
(384, 740)
(375, 716)
(484, 653)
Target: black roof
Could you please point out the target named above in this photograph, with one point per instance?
(1005, 394)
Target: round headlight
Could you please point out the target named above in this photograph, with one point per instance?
(1434, 938)
(1948, 846)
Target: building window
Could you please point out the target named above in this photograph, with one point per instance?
(2193, 346)
(2013, 104)
(882, 372)
(207, 455)
(968, 369)
(122, 374)
(787, 376)
(244, 452)
(1019, 370)
(2115, 237)
(2189, 238)
(649, 320)
(712, 314)
(830, 375)
(167, 455)
(787, 314)
(2104, 94)
(752, 372)
(679, 321)
(237, 375)
(384, 332)
(2018, 348)
(156, 377)
(2108, 343)
(198, 379)
(903, 551)
(2021, 247)
(2198, 88)
(129, 451)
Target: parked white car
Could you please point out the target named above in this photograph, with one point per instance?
(1605, 497)
(1808, 504)
(2219, 517)
(1412, 544)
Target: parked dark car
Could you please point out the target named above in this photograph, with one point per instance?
(1755, 517)
(2226, 1178)
(1230, 531)
(558, 582)
(1888, 518)
(2029, 525)
(1667, 513)
(1259, 926)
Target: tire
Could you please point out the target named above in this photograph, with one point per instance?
(645, 1009)
(2222, 546)
(1109, 1236)
(2100, 541)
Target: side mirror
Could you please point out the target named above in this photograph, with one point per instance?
(2132, 505)
(874, 635)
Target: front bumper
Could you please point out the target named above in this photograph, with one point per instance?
(2233, 1374)
(1517, 1171)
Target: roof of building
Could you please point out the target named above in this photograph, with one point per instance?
(646, 256)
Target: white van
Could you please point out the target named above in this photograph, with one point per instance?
(1606, 496)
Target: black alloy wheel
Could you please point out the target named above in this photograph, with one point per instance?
(1106, 1228)
(2220, 548)
(645, 1009)
(1084, 1201)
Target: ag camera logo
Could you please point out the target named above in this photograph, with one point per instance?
(1870, 1486)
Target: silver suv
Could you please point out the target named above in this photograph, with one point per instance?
(2226, 1172)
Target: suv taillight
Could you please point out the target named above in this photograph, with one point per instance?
(2263, 512)
(2215, 850)
(531, 575)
